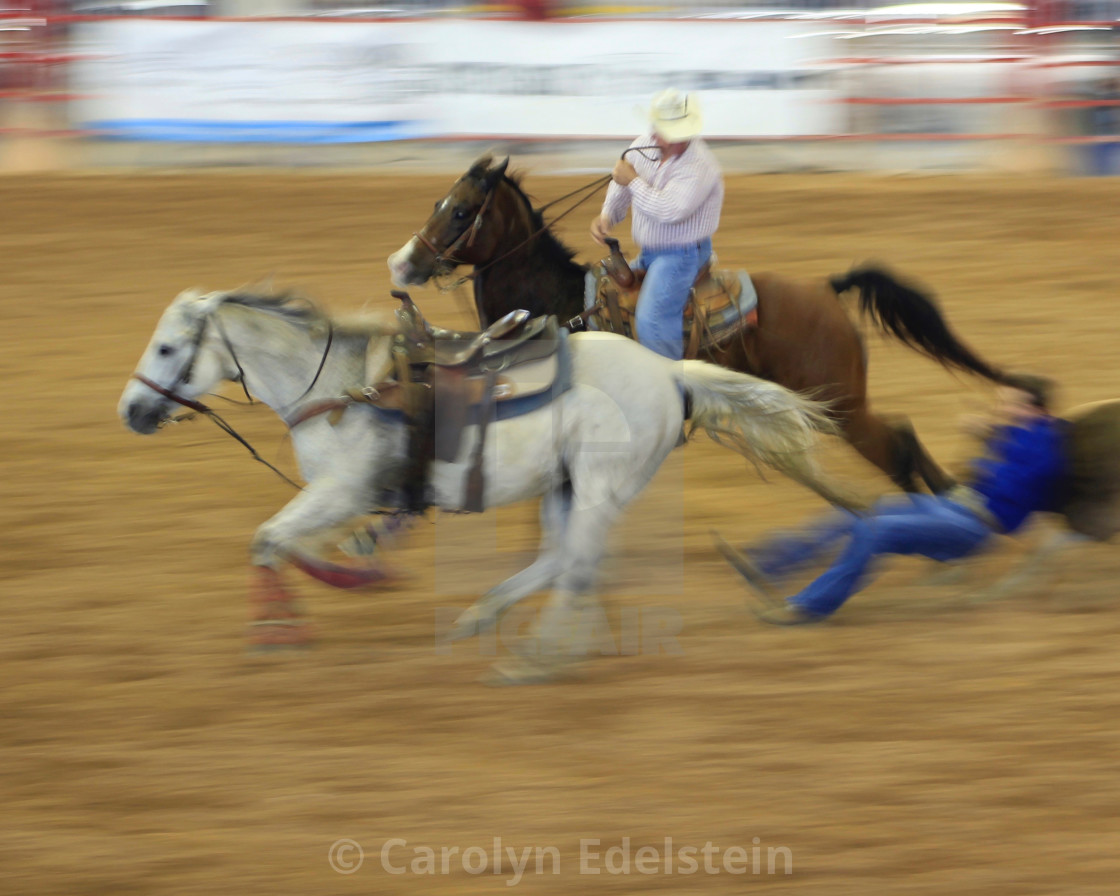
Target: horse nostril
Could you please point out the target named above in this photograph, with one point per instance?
(398, 270)
(141, 418)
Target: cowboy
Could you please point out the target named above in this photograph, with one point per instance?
(673, 185)
(1022, 472)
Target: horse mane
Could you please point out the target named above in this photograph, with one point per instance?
(549, 245)
(297, 309)
(288, 305)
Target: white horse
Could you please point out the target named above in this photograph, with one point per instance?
(588, 453)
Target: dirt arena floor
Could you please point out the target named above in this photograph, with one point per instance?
(922, 742)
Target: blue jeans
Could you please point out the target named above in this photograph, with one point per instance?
(928, 525)
(670, 274)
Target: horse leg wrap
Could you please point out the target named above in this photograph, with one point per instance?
(338, 575)
(275, 620)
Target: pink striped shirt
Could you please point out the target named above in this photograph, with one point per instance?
(672, 204)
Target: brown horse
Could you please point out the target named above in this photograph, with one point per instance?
(804, 339)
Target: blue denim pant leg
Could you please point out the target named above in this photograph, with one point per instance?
(786, 553)
(936, 528)
(670, 274)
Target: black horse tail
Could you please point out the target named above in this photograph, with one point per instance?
(912, 317)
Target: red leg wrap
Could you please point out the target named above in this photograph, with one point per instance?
(275, 620)
(339, 576)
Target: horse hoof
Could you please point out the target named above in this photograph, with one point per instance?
(519, 670)
(472, 621)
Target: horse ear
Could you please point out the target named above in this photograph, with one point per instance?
(478, 169)
(495, 174)
(189, 295)
(208, 301)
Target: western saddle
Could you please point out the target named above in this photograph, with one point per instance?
(446, 380)
(721, 304)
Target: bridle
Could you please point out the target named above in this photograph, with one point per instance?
(198, 407)
(184, 377)
(445, 257)
(470, 233)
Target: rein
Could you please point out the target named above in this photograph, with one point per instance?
(471, 231)
(446, 255)
(241, 371)
(199, 408)
(591, 188)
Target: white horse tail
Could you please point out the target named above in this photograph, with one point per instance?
(762, 421)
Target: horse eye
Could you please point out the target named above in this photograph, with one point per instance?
(435, 208)
(165, 350)
(461, 214)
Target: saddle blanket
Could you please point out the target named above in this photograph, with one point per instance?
(722, 321)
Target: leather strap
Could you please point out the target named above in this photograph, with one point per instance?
(473, 491)
(617, 326)
(698, 320)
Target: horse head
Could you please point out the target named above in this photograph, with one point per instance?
(176, 367)
(464, 228)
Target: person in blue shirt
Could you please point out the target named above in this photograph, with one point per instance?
(1021, 472)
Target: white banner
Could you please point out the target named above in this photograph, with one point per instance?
(350, 82)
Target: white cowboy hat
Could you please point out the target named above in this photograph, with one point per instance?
(675, 116)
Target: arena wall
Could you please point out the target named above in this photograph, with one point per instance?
(861, 94)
